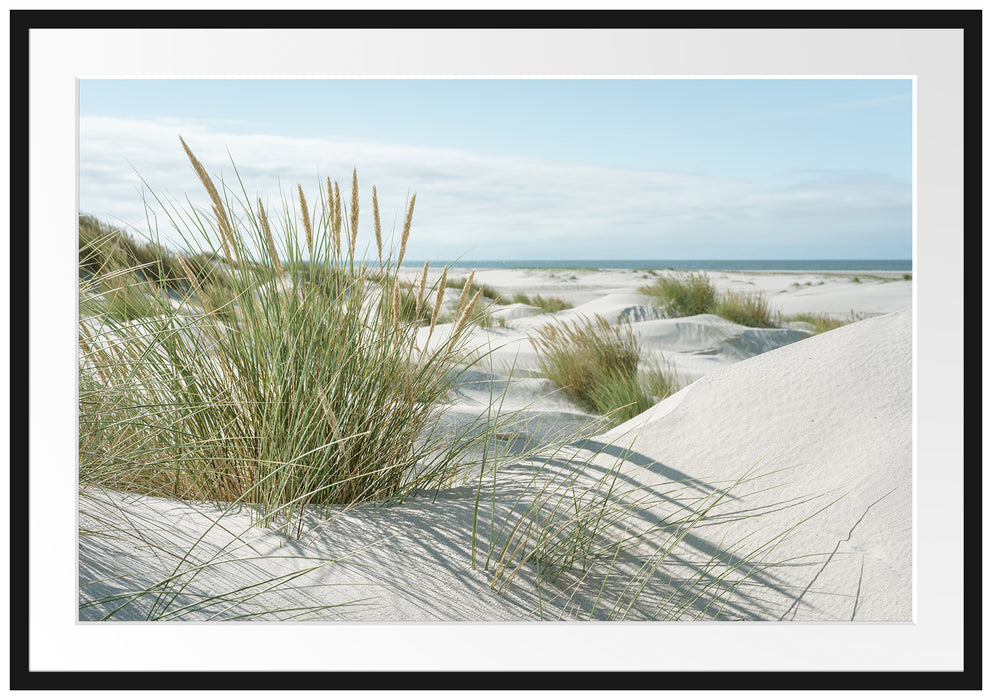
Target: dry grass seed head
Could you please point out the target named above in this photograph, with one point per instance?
(422, 288)
(268, 238)
(440, 298)
(354, 213)
(332, 208)
(337, 219)
(465, 290)
(220, 212)
(375, 218)
(406, 230)
(201, 173)
(465, 314)
(306, 221)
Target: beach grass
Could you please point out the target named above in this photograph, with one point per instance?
(660, 380)
(548, 305)
(294, 382)
(746, 309)
(683, 294)
(104, 247)
(692, 293)
(821, 323)
(592, 543)
(597, 364)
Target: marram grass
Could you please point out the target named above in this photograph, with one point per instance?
(296, 380)
(598, 365)
(821, 323)
(685, 294)
(548, 305)
(692, 293)
(746, 309)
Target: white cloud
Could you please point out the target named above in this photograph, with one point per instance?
(486, 207)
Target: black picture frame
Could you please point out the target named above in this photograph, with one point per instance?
(23, 23)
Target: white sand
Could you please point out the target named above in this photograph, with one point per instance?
(827, 421)
(789, 292)
(694, 346)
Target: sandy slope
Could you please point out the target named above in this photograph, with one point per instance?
(836, 413)
(826, 421)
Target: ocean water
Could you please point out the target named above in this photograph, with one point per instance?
(740, 265)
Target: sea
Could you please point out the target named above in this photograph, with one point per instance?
(737, 265)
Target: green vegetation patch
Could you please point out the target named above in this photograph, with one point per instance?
(692, 293)
(825, 322)
(597, 365)
(548, 305)
(685, 294)
(746, 309)
(309, 389)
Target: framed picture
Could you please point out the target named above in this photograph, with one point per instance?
(810, 168)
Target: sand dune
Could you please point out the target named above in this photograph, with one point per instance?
(835, 412)
(809, 439)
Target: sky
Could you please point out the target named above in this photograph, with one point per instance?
(528, 169)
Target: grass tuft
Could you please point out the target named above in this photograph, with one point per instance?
(683, 294)
(825, 322)
(548, 305)
(690, 294)
(597, 365)
(283, 383)
(746, 309)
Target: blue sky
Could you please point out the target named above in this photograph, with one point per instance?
(535, 169)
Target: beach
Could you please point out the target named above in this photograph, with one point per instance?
(775, 484)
